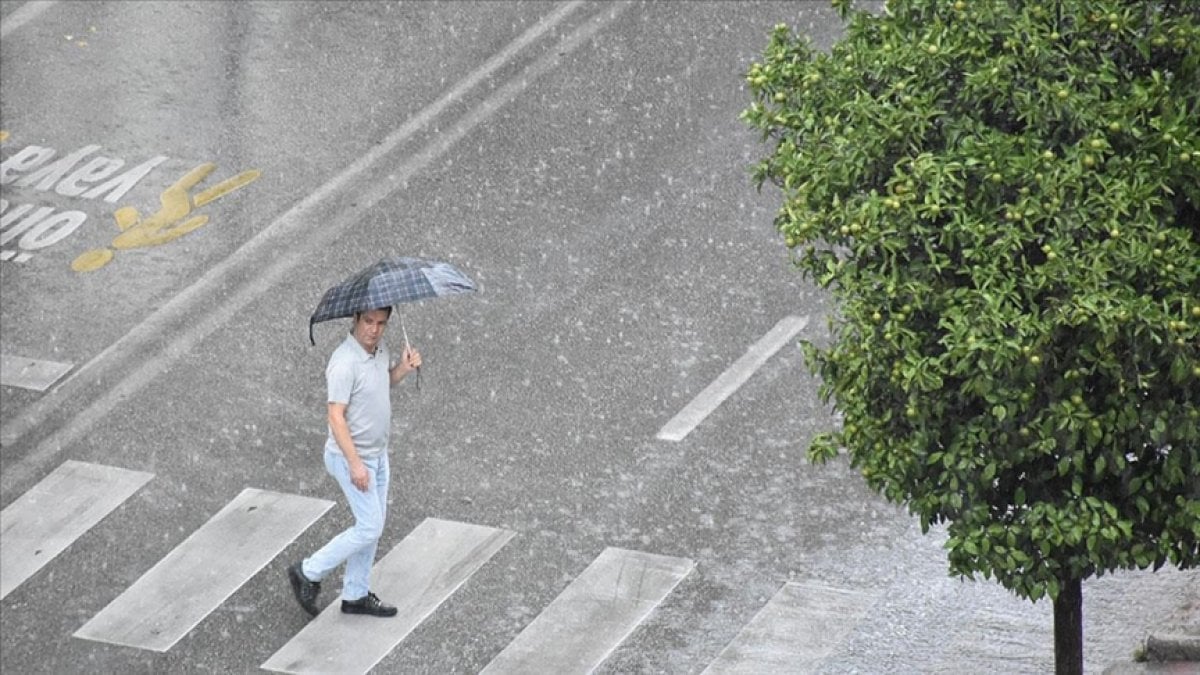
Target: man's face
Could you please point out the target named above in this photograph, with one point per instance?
(368, 328)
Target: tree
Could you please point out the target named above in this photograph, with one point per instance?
(1004, 198)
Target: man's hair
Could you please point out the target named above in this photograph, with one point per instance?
(387, 309)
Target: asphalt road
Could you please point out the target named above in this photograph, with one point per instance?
(585, 164)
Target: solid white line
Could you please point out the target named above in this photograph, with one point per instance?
(27, 373)
(593, 615)
(48, 518)
(735, 376)
(200, 573)
(417, 576)
(28, 12)
(797, 629)
(298, 224)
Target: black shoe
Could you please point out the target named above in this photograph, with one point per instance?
(368, 604)
(306, 591)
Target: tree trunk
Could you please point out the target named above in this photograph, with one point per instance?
(1068, 629)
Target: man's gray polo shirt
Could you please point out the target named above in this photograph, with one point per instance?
(361, 381)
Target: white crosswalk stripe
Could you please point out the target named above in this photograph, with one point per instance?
(593, 615)
(424, 569)
(199, 574)
(32, 374)
(44, 521)
(797, 629)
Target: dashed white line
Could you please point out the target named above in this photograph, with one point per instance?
(729, 381)
(28, 12)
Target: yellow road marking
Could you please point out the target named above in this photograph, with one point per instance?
(226, 186)
(90, 261)
(167, 224)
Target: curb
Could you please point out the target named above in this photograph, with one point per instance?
(1168, 654)
(1173, 647)
(1154, 668)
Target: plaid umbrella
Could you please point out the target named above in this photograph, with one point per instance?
(389, 282)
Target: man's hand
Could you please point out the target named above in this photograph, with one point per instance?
(359, 475)
(410, 360)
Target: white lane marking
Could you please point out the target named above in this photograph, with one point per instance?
(259, 260)
(728, 382)
(593, 615)
(26, 373)
(28, 12)
(44, 521)
(797, 629)
(7, 255)
(417, 575)
(199, 574)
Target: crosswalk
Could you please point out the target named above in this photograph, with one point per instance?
(417, 575)
(574, 633)
(794, 632)
(577, 631)
(44, 521)
(199, 574)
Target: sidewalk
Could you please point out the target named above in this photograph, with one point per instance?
(1172, 646)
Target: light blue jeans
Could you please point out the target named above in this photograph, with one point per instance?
(356, 545)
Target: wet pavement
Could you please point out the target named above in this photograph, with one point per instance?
(584, 163)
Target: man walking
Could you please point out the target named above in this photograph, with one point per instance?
(359, 378)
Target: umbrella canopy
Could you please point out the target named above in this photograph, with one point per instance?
(389, 282)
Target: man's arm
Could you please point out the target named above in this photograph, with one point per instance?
(341, 434)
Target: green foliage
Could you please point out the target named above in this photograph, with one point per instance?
(1004, 196)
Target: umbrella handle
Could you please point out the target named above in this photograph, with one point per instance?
(406, 344)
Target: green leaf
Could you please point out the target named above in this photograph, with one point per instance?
(1180, 370)
(989, 471)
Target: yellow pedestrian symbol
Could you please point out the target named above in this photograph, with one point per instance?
(170, 222)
